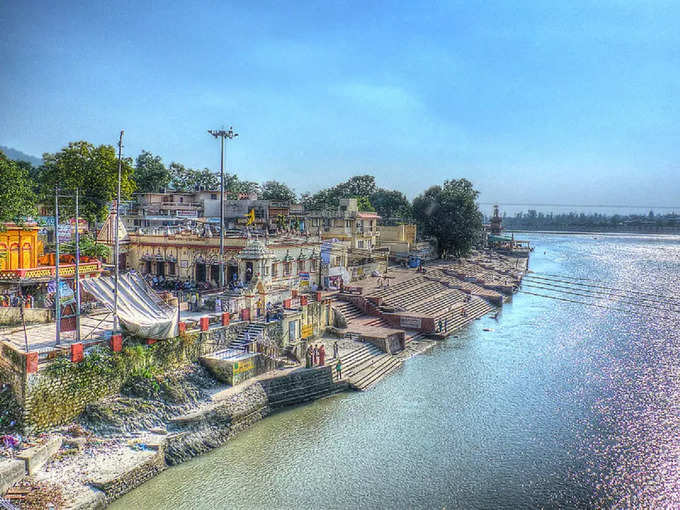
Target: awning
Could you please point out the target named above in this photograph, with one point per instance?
(141, 311)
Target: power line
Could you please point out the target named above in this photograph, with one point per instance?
(585, 206)
(606, 291)
(591, 297)
(632, 312)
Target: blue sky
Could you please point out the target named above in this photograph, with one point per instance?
(537, 102)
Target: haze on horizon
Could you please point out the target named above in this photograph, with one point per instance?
(547, 104)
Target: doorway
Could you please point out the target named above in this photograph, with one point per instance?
(200, 272)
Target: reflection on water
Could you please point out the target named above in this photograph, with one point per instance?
(560, 405)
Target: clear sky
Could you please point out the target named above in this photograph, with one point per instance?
(541, 102)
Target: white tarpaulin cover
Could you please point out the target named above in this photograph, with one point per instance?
(140, 310)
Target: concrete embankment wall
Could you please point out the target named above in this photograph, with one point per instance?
(59, 391)
(200, 432)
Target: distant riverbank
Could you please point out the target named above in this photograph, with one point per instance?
(609, 232)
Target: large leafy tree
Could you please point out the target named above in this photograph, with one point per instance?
(450, 214)
(188, 179)
(93, 170)
(151, 175)
(17, 199)
(391, 205)
(274, 190)
(360, 187)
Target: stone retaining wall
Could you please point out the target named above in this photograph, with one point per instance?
(118, 485)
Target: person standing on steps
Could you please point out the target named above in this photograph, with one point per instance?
(338, 368)
(322, 356)
(308, 357)
(316, 354)
(440, 325)
(336, 349)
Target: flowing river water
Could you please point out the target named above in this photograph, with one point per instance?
(560, 404)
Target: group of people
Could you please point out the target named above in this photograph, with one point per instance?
(315, 356)
(16, 300)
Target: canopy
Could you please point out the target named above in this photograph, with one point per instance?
(140, 309)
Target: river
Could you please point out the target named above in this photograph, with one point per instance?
(558, 405)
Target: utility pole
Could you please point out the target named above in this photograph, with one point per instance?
(77, 279)
(116, 250)
(57, 293)
(222, 134)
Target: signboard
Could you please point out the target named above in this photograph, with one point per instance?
(304, 276)
(82, 225)
(187, 213)
(307, 330)
(243, 366)
(64, 233)
(66, 295)
(410, 322)
(47, 220)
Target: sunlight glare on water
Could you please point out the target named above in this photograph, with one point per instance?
(561, 404)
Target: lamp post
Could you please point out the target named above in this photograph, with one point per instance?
(116, 254)
(222, 134)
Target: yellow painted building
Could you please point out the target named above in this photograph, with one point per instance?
(19, 247)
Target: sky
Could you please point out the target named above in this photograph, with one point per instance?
(535, 102)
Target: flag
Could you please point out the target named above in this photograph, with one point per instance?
(251, 217)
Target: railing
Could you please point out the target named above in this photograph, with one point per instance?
(65, 270)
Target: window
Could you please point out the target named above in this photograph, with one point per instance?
(213, 196)
(266, 270)
(315, 222)
(360, 244)
(181, 200)
(312, 265)
(286, 268)
(275, 270)
(301, 265)
(348, 223)
(171, 268)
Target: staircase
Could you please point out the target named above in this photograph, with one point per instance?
(348, 310)
(365, 366)
(301, 386)
(254, 330)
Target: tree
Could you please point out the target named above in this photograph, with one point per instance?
(17, 199)
(94, 171)
(205, 180)
(88, 247)
(391, 205)
(274, 190)
(364, 204)
(150, 174)
(449, 213)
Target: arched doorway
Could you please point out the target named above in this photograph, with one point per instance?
(26, 259)
(14, 256)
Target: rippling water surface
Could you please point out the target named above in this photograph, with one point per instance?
(561, 405)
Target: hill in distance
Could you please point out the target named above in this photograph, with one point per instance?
(17, 155)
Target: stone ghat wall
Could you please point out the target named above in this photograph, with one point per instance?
(198, 433)
(60, 390)
(115, 487)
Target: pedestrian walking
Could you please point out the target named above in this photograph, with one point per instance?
(322, 356)
(316, 355)
(338, 369)
(440, 325)
(336, 350)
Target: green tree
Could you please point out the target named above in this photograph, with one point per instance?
(391, 205)
(364, 204)
(449, 213)
(17, 199)
(88, 247)
(206, 180)
(150, 174)
(94, 171)
(274, 190)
